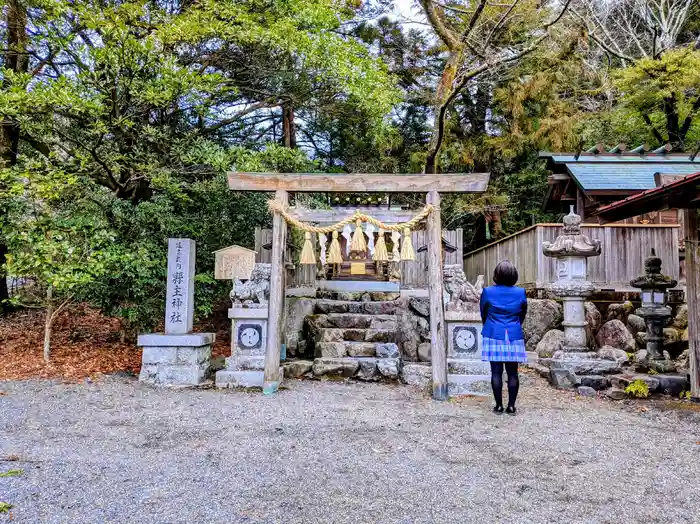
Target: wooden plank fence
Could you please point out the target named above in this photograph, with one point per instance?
(624, 248)
(414, 274)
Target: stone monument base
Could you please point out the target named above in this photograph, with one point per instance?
(175, 360)
(242, 372)
(468, 377)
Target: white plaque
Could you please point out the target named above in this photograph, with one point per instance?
(179, 297)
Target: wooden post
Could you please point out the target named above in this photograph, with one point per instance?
(435, 291)
(692, 280)
(272, 378)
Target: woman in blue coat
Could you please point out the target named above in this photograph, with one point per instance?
(503, 310)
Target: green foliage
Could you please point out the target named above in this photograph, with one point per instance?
(5, 507)
(637, 389)
(12, 473)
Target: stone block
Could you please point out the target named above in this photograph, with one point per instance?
(361, 349)
(610, 353)
(582, 365)
(418, 375)
(159, 355)
(368, 369)
(345, 367)
(467, 367)
(162, 340)
(616, 394)
(181, 375)
(297, 368)
(597, 382)
(340, 335)
(389, 367)
(563, 378)
(193, 356)
(297, 309)
(385, 322)
(378, 335)
(331, 350)
(540, 369)
(149, 373)
(586, 391)
(389, 350)
(245, 362)
(239, 379)
(478, 385)
(622, 381)
(672, 385)
(424, 352)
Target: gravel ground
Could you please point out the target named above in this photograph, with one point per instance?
(116, 451)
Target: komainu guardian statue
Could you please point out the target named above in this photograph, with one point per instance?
(253, 291)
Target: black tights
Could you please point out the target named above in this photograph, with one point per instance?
(497, 382)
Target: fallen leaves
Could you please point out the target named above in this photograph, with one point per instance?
(85, 343)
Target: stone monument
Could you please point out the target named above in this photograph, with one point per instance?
(467, 374)
(653, 286)
(249, 324)
(571, 251)
(177, 357)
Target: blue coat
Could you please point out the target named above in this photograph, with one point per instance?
(503, 310)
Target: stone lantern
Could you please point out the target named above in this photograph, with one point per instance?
(653, 286)
(571, 251)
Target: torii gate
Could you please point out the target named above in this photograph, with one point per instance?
(433, 185)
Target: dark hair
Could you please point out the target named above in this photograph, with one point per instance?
(505, 274)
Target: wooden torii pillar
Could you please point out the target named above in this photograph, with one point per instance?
(431, 185)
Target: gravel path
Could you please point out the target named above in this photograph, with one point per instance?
(116, 451)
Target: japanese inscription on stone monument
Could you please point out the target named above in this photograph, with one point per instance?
(179, 298)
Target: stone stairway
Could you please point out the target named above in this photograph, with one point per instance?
(354, 335)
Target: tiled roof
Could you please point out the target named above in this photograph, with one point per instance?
(627, 171)
(623, 176)
(630, 203)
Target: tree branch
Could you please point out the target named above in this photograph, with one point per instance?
(438, 25)
(239, 115)
(475, 18)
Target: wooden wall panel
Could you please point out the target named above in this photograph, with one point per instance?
(624, 249)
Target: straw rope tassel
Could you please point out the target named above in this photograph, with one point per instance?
(307, 252)
(380, 252)
(407, 252)
(334, 255)
(358, 238)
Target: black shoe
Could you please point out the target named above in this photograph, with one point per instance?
(510, 410)
(498, 409)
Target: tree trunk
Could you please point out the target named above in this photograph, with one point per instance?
(4, 291)
(16, 60)
(442, 98)
(48, 322)
(289, 135)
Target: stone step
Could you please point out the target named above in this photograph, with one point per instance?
(358, 296)
(363, 308)
(354, 335)
(346, 349)
(367, 368)
(353, 320)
